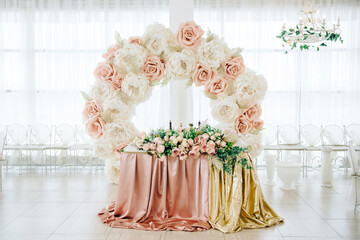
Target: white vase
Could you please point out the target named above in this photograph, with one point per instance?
(270, 160)
(288, 173)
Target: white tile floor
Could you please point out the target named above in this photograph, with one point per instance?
(59, 206)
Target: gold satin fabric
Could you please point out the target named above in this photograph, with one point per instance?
(237, 202)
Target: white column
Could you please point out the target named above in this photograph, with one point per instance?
(181, 110)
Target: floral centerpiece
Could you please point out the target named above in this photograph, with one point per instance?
(132, 67)
(191, 142)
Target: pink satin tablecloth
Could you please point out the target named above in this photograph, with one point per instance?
(160, 195)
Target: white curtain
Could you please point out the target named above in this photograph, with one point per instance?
(304, 87)
(49, 49)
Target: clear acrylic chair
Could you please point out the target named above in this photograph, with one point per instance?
(353, 134)
(311, 140)
(355, 175)
(2, 143)
(82, 149)
(64, 140)
(40, 142)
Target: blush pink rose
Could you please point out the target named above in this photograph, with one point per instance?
(190, 142)
(202, 74)
(217, 86)
(146, 147)
(110, 51)
(233, 67)
(116, 81)
(142, 135)
(258, 124)
(210, 144)
(106, 72)
(119, 147)
(135, 39)
(254, 112)
(91, 109)
(160, 148)
(95, 126)
(243, 124)
(211, 151)
(189, 35)
(154, 68)
(183, 156)
(175, 152)
(152, 146)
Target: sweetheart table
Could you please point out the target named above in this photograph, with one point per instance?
(189, 195)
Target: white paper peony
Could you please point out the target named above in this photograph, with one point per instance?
(101, 90)
(253, 143)
(136, 88)
(130, 58)
(181, 64)
(117, 110)
(112, 170)
(250, 88)
(103, 149)
(118, 132)
(225, 109)
(213, 53)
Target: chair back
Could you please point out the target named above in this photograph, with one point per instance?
(65, 134)
(333, 135)
(353, 158)
(16, 133)
(81, 136)
(40, 134)
(269, 134)
(288, 135)
(310, 135)
(353, 133)
(2, 143)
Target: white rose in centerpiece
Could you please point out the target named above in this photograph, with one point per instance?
(130, 58)
(117, 110)
(213, 52)
(250, 88)
(253, 143)
(225, 109)
(101, 90)
(181, 64)
(112, 170)
(136, 87)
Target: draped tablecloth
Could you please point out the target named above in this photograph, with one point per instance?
(191, 195)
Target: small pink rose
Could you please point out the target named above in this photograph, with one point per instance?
(203, 142)
(175, 152)
(211, 151)
(146, 147)
(205, 136)
(197, 140)
(190, 142)
(160, 148)
(135, 39)
(202, 74)
(154, 68)
(254, 112)
(183, 156)
(152, 146)
(195, 148)
(212, 137)
(106, 72)
(110, 51)
(193, 153)
(243, 124)
(142, 135)
(217, 85)
(95, 126)
(91, 109)
(189, 35)
(210, 144)
(233, 67)
(117, 81)
(258, 124)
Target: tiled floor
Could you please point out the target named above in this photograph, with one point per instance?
(62, 206)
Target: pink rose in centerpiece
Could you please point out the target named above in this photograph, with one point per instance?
(160, 148)
(189, 35)
(152, 146)
(217, 85)
(183, 156)
(146, 147)
(254, 112)
(210, 144)
(110, 51)
(233, 67)
(106, 72)
(91, 109)
(202, 74)
(120, 146)
(154, 68)
(243, 124)
(175, 152)
(206, 136)
(190, 142)
(258, 124)
(203, 148)
(194, 153)
(135, 39)
(142, 135)
(95, 126)
(211, 151)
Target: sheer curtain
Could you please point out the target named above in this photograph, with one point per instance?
(49, 49)
(304, 87)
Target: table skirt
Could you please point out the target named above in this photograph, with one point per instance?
(190, 195)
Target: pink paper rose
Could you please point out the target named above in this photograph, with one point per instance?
(258, 124)
(217, 86)
(95, 126)
(106, 72)
(175, 152)
(116, 81)
(120, 146)
(160, 148)
(243, 124)
(91, 109)
(110, 51)
(233, 67)
(189, 35)
(202, 74)
(135, 39)
(254, 112)
(154, 68)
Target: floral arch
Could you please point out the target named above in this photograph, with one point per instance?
(132, 67)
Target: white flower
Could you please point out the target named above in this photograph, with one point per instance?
(130, 58)
(229, 132)
(213, 52)
(249, 88)
(179, 138)
(112, 170)
(103, 148)
(181, 64)
(136, 87)
(101, 90)
(118, 132)
(253, 143)
(117, 110)
(225, 109)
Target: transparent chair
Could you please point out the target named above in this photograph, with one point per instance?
(15, 142)
(2, 143)
(39, 142)
(353, 134)
(355, 175)
(82, 149)
(311, 140)
(64, 140)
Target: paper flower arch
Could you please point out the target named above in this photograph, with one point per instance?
(132, 67)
